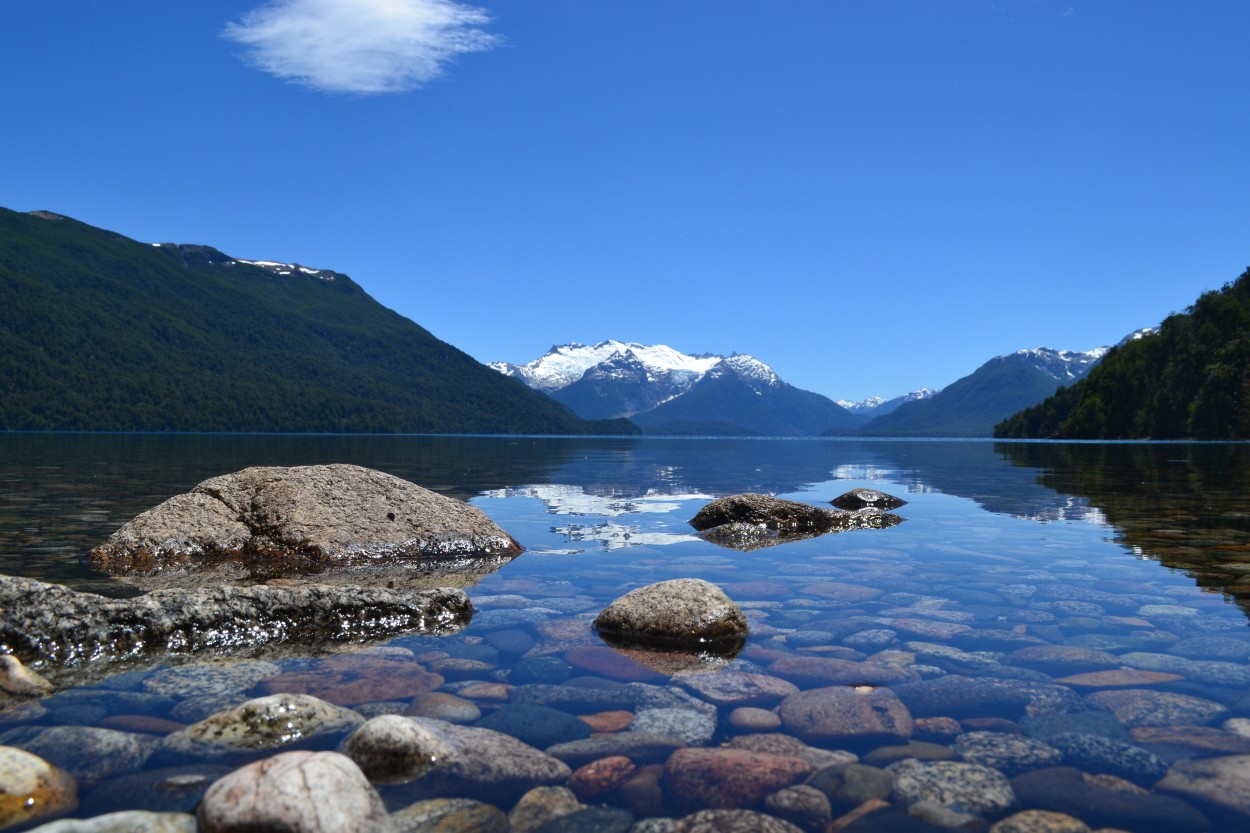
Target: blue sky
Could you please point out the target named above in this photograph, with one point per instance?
(870, 196)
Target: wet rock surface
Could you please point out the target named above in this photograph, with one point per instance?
(751, 521)
(69, 636)
(278, 520)
(686, 612)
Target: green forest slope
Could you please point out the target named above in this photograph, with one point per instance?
(102, 333)
(1191, 379)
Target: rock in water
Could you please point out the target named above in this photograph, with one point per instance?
(687, 612)
(750, 521)
(279, 520)
(300, 792)
(857, 499)
(54, 628)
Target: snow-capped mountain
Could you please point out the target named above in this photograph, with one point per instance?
(667, 391)
(564, 364)
(875, 406)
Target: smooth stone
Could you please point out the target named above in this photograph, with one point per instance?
(679, 611)
(637, 746)
(443, 706)
(958, 696)
(840, 591)
(965, 787)
(164, 790)
(825, 671)
(738, 688)
(872, 639)
(1223, 783)
(20, 681)
(1068, 790)
(1212, 647)
(349, 679)
(805, 806)
(536, 726)
(927, 628)
(294, 792)
(852, 784)
(1009, 754)
(643, 794)
(32, 788)
(695, 728)
(748, 719)
(940, 815)
(591, 820)
(601, 776)
(1205, 739)
(510, 641)
(1046, 726)
(1118, 678)
(1062, 659)
(725, 778)
(195, 709)
(209, 679)
(450, 815)
(539, 806)
(842, 713)
(127, 821)
(733, 821)
(920, 750)
(1212, 672)
(1144, 707)
(609, 721)
(261, 725)
(1040, 821)
(601, 660)
(433, 757)
(782, 744)
(90, 754)
(1092, 753)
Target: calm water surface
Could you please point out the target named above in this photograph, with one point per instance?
(1138, 551)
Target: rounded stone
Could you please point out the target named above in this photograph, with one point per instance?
(539, 806)
(299, 792)
(729, 778)
(805, 806)
(738, 688)
(32, 789)
(1040, 821)
(209, 679)
(852, 784)
(126, 821)
(601, 776)
(748, 719)
(733, 821)
(443, 706)
(1144, 707)
(841, 712)
(450, 815)
(695, 728)
(965, 787)
(265, 723)
(1221, 782)
(90, 754)
(1009, 754)
(685, 611)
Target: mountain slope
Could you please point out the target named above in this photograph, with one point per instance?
(876, 406)
(621, 385)
(565, 364)
(741, 395)
(1189, 379)
(971, 406)
(99, 332)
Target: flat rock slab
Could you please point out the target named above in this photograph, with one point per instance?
(279, 520)
(64, 633)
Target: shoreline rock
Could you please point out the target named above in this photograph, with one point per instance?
(58, 630)
(278, 520)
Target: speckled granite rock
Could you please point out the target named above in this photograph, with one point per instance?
(126, 821)
(261, 725)
(279, 519)
(970, 788)
(684, 611)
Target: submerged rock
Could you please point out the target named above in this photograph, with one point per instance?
(685, 611)
(278, 520)
(751, 521)
(31, 788)
(58, 630)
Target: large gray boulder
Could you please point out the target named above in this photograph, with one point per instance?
(279, 520)
(58, 630)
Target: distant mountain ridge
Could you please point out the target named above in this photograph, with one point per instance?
(99, 332)
(875, 406)
(972, 405)
(665, 391)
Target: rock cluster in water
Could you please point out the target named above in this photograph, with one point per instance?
(750, 521)
(276, 520)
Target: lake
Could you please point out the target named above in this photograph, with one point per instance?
(1037, 595)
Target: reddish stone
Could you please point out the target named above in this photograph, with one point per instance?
(606, 722)
(491, 692)
(371, 679)
(1118, 677)
(601, 776)
(1204, 738)
(725, 778)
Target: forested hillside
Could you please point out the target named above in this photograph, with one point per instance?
(1189, 380)
(102, 333)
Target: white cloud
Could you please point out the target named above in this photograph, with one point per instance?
(360, 46)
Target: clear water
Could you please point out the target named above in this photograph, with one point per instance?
(996, 536)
